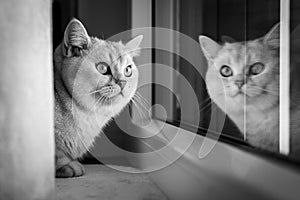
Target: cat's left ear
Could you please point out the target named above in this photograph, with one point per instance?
(209, 47)
(76, 38)
(272, 37)
(133, 46)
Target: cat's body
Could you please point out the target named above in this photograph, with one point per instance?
(258, 121)
(73, 122)
(94, 80)
(243, 80)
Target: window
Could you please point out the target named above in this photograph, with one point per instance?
(230, 22)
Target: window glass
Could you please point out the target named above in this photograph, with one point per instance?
(246, 34)
(294, 80)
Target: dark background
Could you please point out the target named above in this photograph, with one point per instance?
(239, 19)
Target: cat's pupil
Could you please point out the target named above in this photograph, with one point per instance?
(103, 68)
(128, 71)
(256, 68)
(226, 71)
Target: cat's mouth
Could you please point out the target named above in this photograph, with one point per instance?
(108, 95)
(238, 94)
(113, 97)
(110, 98)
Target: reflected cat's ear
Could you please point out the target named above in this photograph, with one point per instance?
(296, 33)
(272, 37)
(76, 38)
(133, 46)
(209, 47)
(227, 39)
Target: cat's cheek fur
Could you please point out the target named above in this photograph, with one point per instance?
(215, 87)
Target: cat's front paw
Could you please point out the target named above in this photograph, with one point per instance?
(72, 169)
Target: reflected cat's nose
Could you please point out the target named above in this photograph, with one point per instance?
(121, 83)
(239, 83)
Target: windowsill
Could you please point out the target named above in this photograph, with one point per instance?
(101, 182)
(227, 172)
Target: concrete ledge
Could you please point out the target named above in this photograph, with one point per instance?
(101, 182)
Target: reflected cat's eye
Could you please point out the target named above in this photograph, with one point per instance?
(128, 71)
(256, 68)
(103, 68)
(226, 71)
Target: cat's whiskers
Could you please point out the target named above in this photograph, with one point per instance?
(206, 106)
(137, 100)
(137, 94)
(98, 101)
(143, 102)
(141, 114)
(212, 108)
(204, 101)
(267, 100)
(145, 106)
(140, 109)
(263, 89)
(93, 92)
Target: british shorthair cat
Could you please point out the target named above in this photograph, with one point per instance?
(94, 80)
(243, 80)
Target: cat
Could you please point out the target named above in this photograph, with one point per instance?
(249, 72)
(94, 80)
(243, 80)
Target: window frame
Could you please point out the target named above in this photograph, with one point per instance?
(284, 60)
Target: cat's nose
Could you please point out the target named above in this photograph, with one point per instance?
(239, 83)
(121, 83)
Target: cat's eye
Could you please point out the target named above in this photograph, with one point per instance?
(256, 68)
(226, 71)
(128, 71)
(103, 68)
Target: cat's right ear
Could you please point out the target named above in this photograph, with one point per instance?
(76, 38)
(209, 47)
(227, 39)
(272, 38)
(133, 45)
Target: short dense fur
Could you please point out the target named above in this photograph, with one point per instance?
(254, 107)
(86, 98)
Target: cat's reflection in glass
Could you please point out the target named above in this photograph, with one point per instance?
(249, 74)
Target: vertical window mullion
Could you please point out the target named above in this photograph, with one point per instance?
(284, 60)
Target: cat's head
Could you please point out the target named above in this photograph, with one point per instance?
(243, 72)
(97, 73)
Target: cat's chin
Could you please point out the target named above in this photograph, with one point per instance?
(112, 100)
(107, 100)
(239, 98)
